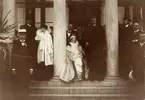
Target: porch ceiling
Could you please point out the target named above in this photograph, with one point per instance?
(121, 1)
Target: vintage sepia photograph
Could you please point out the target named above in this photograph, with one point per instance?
(72, 49)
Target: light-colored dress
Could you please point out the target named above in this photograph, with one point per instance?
(67, 72)
(45, 47)
(74, 63)
(76, 56)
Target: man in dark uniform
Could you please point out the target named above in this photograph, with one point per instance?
(95, 42)
(21, 65)
(125, 48)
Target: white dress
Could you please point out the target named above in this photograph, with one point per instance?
(74, 58)
(77, 56)
(45, 47)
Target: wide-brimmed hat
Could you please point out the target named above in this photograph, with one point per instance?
(22, 30)
(136, 23)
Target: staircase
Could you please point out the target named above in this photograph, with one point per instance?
(84, 90)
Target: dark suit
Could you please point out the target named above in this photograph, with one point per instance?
(138, 65)
(125, 41)
(95, 36)
(31, 33)
(138, 61)
(22, 65)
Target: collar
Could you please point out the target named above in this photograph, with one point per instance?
(135, 31)
(135, 40)
(93, 24)
(126, 25)
(141, 44)
(29, 25)
(22, 40)
(76, 44)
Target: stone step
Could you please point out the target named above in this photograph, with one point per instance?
(84, 90)
(56, 83)
(78, 90)
(80, 97)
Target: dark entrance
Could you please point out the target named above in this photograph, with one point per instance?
(30, 9)
(81, 12)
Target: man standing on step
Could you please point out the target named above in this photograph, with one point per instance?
(95, 42)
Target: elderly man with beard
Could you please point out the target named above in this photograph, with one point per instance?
(95, 42)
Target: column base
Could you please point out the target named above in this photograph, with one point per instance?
(116, 80)
(112, 78)
(55, 78)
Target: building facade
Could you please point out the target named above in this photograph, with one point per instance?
(59, 13)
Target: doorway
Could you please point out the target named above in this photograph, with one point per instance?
(81, 12)
(37, 11)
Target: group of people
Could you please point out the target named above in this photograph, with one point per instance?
(132, 56)
(132, 51)
(85, 50)
(34, 47)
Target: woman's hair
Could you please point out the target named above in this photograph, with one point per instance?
(74, 33)
(51, 27)
(44, 26)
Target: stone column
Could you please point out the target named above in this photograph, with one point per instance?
(21, 16)
(9, 5)
(59, 35)
(111, 19)
(131, 12)
(126, 11)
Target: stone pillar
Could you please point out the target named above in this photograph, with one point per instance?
(111, 19)
(103, 13)
(21, 16)
(131, 12)
(59, 35)
(126, 11)
(9, 5)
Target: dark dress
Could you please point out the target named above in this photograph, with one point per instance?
(21, 63)
(95, 36)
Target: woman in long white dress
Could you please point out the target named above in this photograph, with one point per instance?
(75, 65)
(45, 47)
